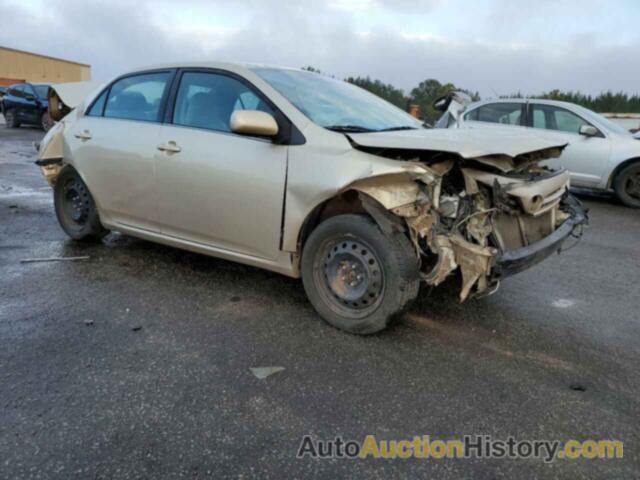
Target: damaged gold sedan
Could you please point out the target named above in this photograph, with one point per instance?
(307, 176)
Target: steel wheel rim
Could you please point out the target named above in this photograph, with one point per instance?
(75, 202)
(351, 277)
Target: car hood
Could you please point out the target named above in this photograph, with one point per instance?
(467, 143)
(64, 97)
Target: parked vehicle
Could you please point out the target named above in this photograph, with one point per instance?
(308, 176)
(599, 155)
(3, 91)
(26, 103)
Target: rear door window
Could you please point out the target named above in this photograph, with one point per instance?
(503, 113)
(137, 97)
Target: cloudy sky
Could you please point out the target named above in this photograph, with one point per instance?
(494, 46)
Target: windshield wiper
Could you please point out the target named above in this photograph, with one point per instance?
(395, 129)
(349, 128)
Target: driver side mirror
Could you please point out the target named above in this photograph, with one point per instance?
(253, 122)
(588, 131)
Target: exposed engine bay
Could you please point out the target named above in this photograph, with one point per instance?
(487, 217)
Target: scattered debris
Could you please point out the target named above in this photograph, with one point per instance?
(264, 372)
(576, 387)
(54, 259)
(136, 328)
(13, 206)
(88, 322)
(563, 303)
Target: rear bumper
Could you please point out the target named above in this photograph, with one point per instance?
(515, 261)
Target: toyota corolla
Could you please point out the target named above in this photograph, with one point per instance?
(307, 176)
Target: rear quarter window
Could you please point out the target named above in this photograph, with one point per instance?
(98, 105)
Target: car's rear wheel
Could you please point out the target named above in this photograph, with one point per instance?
(627, 185)
(10, 119)
(45, 121)
(75, 208)
(358, 278)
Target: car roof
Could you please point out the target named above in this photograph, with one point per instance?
(232, 66)
(543, 101)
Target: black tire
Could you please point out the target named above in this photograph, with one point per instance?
(45, 121)
(627, 185)
(348, 250)
(10, 119)
(75, 208)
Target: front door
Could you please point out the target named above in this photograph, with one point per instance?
(585, 157)
(215, 187)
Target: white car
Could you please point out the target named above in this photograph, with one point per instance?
(599, 154)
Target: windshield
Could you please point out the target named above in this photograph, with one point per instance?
(41, 91)
(335, 104)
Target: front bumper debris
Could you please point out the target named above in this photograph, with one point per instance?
(515, 261)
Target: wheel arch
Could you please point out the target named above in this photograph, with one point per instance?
(347, 201)
(619, 168)
(365, 198)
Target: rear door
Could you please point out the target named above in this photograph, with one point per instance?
(114, 148)
(585, 157)
(216, 187)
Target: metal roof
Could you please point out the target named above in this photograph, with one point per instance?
(44, 56)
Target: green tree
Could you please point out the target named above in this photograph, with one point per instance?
(383, 90)
(610, 102)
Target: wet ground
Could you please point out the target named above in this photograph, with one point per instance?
(136, 362)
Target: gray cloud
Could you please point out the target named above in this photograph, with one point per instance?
(118, 36)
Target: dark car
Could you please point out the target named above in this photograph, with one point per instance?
(26, 103)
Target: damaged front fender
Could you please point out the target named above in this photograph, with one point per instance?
(417, 199)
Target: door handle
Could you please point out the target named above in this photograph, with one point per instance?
(169, 147)
(84, 135)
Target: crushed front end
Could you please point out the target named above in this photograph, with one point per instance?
(487, 217)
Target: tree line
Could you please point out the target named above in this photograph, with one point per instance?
(606, 102)
(429, 90)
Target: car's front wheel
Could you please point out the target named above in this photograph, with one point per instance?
(627, 185)
(358, 278)
(75, 208)
(10, 119)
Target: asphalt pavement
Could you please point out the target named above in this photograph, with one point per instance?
(136, 363)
